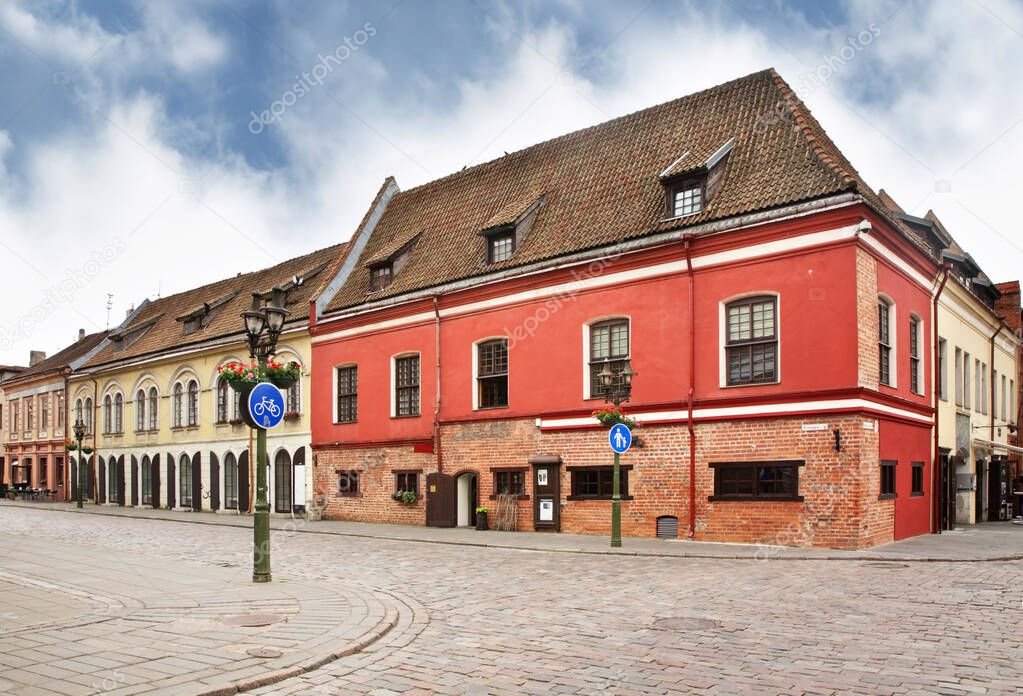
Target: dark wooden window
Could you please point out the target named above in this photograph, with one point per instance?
(406, 386)
(179, 400)
(884, 341)
(154, 413)
(914, 355)
(917, 488)
(492, 369)
(609, 343)
(887, 478)
(223, 399)
(59, 465)
(347, 394)
(687, 198)
(380, 277)
(140, 410)
(774, 480)
(43, 473)
(510, 482)
(348, 482)
(942, 369)
(406, 482)
(193, 403)
(597, 482)
(751, 344)
(108, 418)
(500, 246)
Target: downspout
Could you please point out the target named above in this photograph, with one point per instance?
(991, 381)
(436, 406)
(935, 389)
(687, 239)
(66, 430)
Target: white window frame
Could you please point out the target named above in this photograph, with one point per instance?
(920, 359)
(333, 388)
(723, 338)
(586, 350)
(394, 383)
(893, 335)
(476, 371)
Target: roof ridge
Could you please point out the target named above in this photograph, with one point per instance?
(806, 122)
(579, 131)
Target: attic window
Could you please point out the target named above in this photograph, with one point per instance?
(686, 199)
(379, 277)
(192, 325)
(501, 244)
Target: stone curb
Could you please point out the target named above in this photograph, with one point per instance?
(790, 555)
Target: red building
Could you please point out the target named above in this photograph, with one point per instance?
(777, 313)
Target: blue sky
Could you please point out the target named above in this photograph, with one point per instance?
(130, 163)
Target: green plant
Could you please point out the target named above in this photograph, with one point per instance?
(282, 370)
(235, 373)
(72, 446)
(481, 511)
(87, 450)
(405, 497)
(612, 415)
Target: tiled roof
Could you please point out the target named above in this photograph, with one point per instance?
(600, 185)
(159, 321)
(61, 359)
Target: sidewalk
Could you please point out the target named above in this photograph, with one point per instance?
(76, 621)
(993, 541)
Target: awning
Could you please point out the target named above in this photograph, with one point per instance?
(990, 444)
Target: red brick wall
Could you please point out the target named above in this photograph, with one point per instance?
(840, 507)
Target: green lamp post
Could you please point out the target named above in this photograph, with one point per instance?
(79, 430)
(617, 387)
(262, 318)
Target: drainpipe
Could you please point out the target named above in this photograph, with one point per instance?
(64, 439)
(436, 406)
(991, 381)
(687, 239)
(935, 388)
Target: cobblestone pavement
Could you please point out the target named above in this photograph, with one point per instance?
(488, 620)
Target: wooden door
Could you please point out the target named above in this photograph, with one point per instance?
(243, 482)
(134, 480)
(440, 500)
(102, 480)
(282, 482)
(154, 480)
(120, 480)
(172, 483)
(547, 494)
(197, 481)
(214, 482)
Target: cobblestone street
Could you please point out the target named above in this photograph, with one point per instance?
(95, 604)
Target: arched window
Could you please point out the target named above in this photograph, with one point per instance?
(178, 405)
(118, 413)
(88, 416)
(154, 413)
(223, 396)
(140, 410)
(147, 480)
(230, 482)
(185, 478)
(193, 403)
(108, 420)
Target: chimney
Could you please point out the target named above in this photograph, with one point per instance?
(127, 312)
(81, 334)
(35, 357)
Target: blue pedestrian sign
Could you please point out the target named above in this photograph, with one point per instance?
(620, 438)
(266, 406)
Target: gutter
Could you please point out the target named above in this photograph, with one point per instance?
(935, 389)
(991, 381)
(687, 240)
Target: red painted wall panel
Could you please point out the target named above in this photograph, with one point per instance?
(906, 444)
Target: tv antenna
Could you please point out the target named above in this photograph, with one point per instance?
(110, 304)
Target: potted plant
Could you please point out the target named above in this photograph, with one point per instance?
(406, 497)
(242, 378)
(291, 415)
(481, 519)
(72, 446)
(283, 375)
(87, 451)
(612, 415)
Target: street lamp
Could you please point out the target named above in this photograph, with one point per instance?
(616, 391)
(79, 430)
(260, 319)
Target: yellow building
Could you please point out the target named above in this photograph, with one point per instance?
(975, 390)
(167, 431)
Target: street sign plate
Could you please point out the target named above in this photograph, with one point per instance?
(620, 438)
(266, 406)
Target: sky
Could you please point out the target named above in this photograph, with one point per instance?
(150, 147)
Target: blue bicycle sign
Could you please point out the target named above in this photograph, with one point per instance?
(266, 406)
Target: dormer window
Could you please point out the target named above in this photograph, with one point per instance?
(687, 199)
(379, 277)
(501, 245)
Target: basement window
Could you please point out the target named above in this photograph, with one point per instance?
(756, 481)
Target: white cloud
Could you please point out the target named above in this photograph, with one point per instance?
(203, 219)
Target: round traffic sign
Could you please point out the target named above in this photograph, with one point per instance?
(620, 438)
(266, 406)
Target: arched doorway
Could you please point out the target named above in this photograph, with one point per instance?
(466, 497)
(282, 482)
(230, 481)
